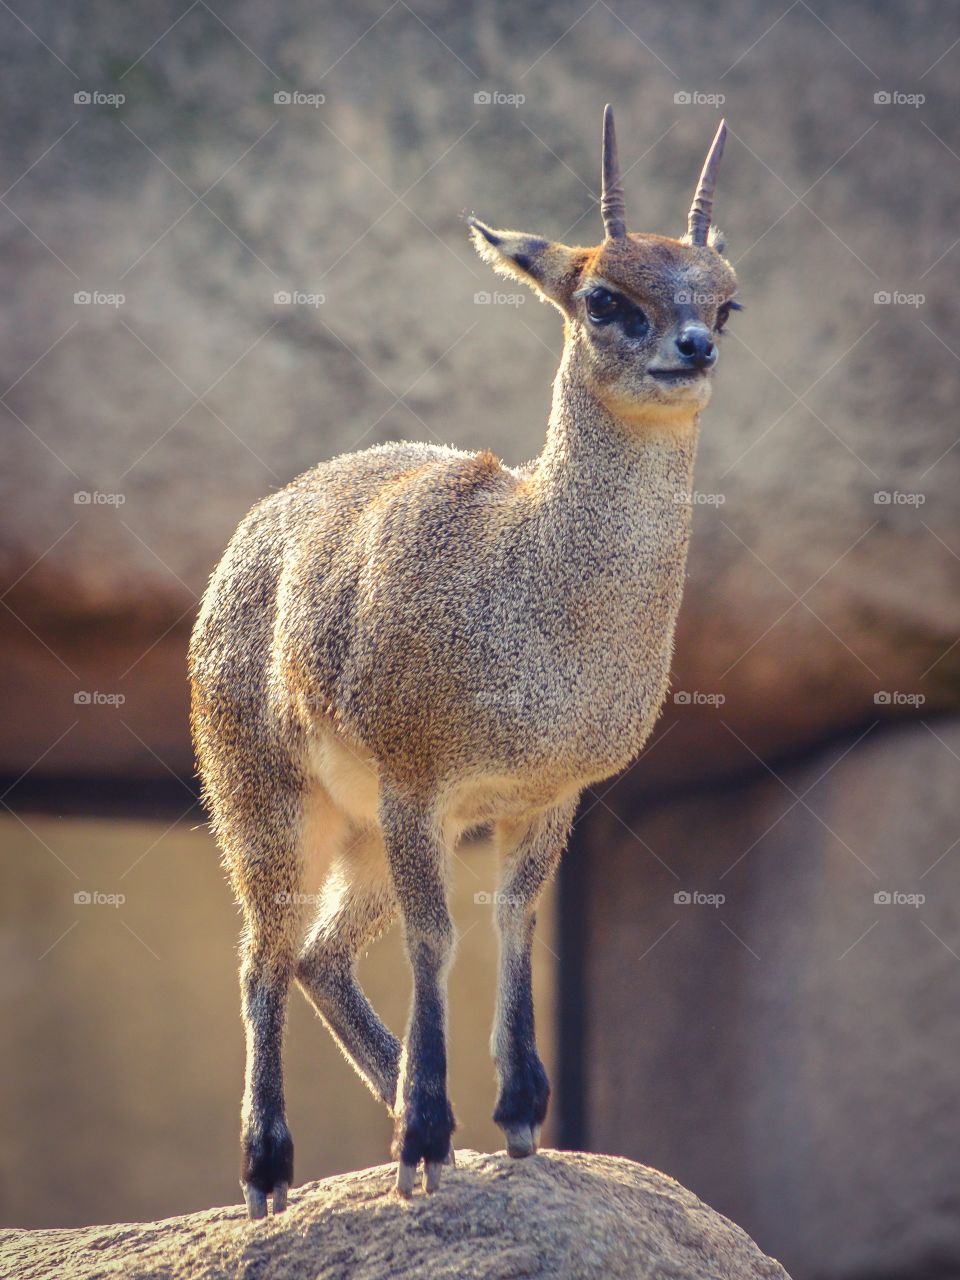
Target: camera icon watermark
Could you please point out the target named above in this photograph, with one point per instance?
(697, 698)
(694, 898)
(94, 98)
(94, 898)
(894, 898)
(94, 698)
(298, 298)
(894, 498)
(496, 98)
(695, 498)
(897, 698)
(494, 298)
(297, 98)
(696, 98)
(95, 298)
(498, 898)
(86, 498)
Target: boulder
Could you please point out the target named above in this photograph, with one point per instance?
(560, 1215)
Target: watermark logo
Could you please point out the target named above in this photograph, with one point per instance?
(94, 898)
(696, 698)
(695, 98)
(512, 698)
(698, 298)
(895, 698)
(495, 899)
(297, 98)
(84, 498)
(894, 898)
(894, 98)
(894, 498)
(697, 499)
(94, 298)
(94, 98)
(94, 698)
(694, 898)
(298, 899)
(296, 298)
(484, 298)
(896, 298)
(496, 98)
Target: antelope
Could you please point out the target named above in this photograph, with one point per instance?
(411, 642)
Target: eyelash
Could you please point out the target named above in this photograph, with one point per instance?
(723, 314)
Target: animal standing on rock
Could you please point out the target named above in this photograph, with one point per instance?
(413, 641)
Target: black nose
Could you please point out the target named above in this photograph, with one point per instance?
(696, 345)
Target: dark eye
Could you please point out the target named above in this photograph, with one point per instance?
(602, 305)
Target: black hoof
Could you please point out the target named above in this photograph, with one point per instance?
(266, 1168)
(423, 1131)
(522, 1108)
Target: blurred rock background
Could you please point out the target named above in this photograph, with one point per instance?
(786, 1053)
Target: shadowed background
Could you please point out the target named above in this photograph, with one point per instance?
(296, 282)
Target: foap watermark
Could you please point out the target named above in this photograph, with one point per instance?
(497, 98)
(896, 98)
(694, 898)
(484, 298)
(298, 899)
(697, 499)
(894, 498)
(96, 298)
(700, 298)
(897, 698)
(297, 98)
(486, 898)
(94, 698)
(897, 298)
(894, 898)
(95, 98)
(94, 898)
(86, 498)
(697, 698)
(696, 98)
(297, 298)
(499, 698)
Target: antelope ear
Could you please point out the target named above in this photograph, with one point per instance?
(552, 269)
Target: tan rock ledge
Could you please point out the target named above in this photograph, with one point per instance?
(559, 1214)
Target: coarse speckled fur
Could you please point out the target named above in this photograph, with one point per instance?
(412, 641)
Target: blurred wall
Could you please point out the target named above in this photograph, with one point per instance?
(120, 1088)
(822, 595)
(199, 199)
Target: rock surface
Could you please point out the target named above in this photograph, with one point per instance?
(558, 1215)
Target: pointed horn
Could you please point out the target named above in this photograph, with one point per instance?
(701, 211)
(612, 206)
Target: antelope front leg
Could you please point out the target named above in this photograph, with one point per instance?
(424, 1117)
(530, 859)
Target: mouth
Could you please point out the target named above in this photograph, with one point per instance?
(677, 375)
